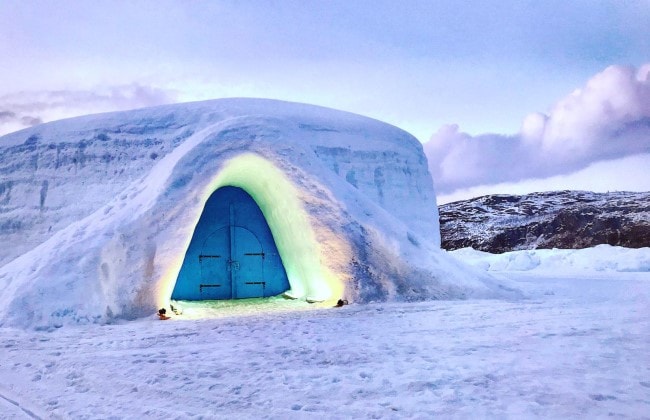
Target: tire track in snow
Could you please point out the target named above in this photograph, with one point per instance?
(18, 405)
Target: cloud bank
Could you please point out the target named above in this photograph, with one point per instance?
(609, 118)
(25, 109)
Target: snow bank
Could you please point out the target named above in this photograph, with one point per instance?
(106, 206)
(604, 258)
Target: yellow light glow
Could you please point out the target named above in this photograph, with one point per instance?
(301, 241)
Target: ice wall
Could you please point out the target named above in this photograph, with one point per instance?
(103, 207)
(56, 173)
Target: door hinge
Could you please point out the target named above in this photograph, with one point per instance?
(202, 286)
(255, 254)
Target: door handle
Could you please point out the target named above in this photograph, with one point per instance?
(233, 265)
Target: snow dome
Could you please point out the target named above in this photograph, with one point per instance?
(112, 215)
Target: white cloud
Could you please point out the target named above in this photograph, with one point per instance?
(625, 174)
(608, 118)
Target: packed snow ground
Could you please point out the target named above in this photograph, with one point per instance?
(577, 347)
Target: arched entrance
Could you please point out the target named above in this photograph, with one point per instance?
(232, 254)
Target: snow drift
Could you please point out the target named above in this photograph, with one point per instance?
(99, 210)
(601, 258)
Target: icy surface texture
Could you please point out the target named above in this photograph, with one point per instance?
(99, 210)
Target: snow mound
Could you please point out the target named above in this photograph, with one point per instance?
(100, 209)
(601, 258)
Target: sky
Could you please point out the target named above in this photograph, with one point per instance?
(488, 86)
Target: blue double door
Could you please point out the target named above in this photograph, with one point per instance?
(232, 254)
(232, 265)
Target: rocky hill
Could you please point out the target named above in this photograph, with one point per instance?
(558, 219)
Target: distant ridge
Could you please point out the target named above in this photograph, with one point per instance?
(556, 219)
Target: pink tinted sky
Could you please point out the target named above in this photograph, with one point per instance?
(487, 66)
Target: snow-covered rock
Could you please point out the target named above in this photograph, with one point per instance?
(96, 212)
(556, 219)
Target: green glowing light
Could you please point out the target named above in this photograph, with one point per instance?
(290, 224)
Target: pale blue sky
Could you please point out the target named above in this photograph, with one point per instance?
(416, 64)
(484, 65)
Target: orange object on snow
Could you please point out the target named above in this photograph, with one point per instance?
(161, 314)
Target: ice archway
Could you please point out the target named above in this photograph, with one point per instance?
(292, 231)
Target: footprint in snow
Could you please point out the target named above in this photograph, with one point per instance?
(601, 397)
